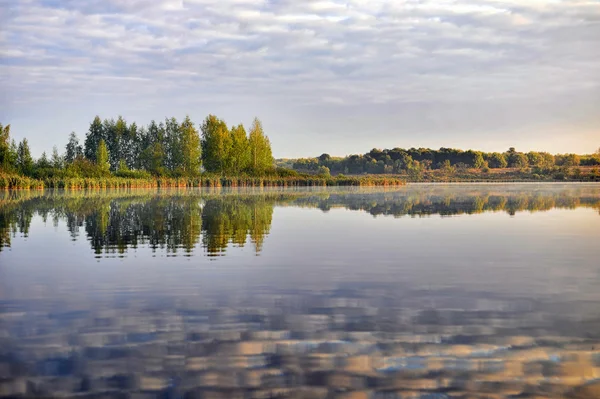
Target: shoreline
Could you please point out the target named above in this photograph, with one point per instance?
(15, 182)
(18, 182)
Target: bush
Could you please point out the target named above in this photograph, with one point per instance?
(323, 171)
(284, 172)
(82, 167)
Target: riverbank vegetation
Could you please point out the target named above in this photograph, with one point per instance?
(116, 154)
(454, 165)
(169, 153)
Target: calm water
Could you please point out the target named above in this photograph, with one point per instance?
(448, 290)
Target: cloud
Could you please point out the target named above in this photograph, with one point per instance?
(348, 52)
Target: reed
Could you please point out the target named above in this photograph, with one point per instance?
(81, 183)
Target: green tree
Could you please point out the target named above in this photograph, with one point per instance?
(8, 156)
(102, 159)
(416, 170)
(174, 153)
(240, 150)
(447, 168)
(535, 159)
(115, 135)
(324, 171)
(191, 148)
(325, 158)
(516, 159)
(216, 144)
(478, 161)
(519, 160)
(122, 168)
(261, 157)
(92, 139)
(132, 147)
(569, 160)
(73, 150)
(24, 159)
(43, 162)
(152, 158)
(57, 160)
(547, 161)
(497, 160)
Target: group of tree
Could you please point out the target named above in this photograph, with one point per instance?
(399, 160)
(166, 148)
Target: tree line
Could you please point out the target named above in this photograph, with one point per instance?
(399, 160)
(175, 149)
(165, 148)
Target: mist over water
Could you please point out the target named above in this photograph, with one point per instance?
(494, 283)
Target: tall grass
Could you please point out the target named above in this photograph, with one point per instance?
(79, 183)
(11, 181)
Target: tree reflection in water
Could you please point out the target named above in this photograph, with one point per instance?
(178, 221)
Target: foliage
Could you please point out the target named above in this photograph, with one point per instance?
(24, 159)
(261, 158)
(216, 144)
(8, 154)
(175, 150)
(73, 150)
(102, 157)
(418, 163)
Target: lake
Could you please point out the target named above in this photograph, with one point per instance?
(422, 291)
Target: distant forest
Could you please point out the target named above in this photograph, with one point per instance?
(166, 148)
(415, 161)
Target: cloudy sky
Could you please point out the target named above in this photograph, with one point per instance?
(323, 76)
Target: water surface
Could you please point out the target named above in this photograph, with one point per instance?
(449, 289)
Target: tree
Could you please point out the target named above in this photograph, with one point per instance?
(216, 144)
(448, 168)
(324, 158)
(174, 157)
(191, 148)
(516, 159)
(547, 161)
(497, 160)
(57, 160)
(102, 157)
(152, 158)
(132, 147)
(474, 159)
(93, 137)
(153, 155)
(261, 157)
(73, 150)
(240, 150)
(570, 160)
(114, 135)
(8, 155)
(324, 171)
(43, 162)
(24, 159)
(416, 170)
(519, 160)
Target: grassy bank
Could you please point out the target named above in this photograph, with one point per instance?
(22, 182)
(503, 175)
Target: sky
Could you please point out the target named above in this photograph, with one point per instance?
(328, 76)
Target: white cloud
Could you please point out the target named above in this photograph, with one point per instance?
(349, 52)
